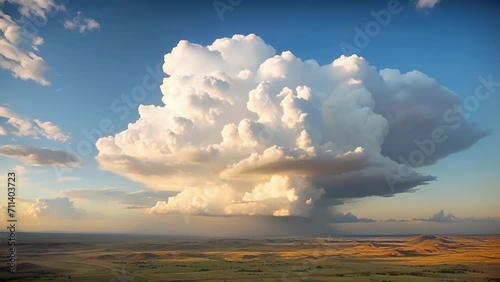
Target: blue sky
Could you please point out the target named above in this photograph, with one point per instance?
(453, 42)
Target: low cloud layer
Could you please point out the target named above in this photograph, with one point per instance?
(39, 156)
(348, 217)
(272, 135)
(130, 200)
(441, 217)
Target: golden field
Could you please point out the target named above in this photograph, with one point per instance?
(97, 257)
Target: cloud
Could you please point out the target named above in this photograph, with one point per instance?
(22, 126)
(36, 8)
(52, 131)
(39, 156)
(81, 24)
(441, 217)
(131, 200)
(348, 217)
(426, 4)
(208, 200)
(19, 169)
(18, 44)
(56, 207)
(271, 135)
(405, 101)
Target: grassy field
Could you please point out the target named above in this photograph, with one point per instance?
(120, 258)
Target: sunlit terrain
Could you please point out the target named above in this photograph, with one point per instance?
(83, 257)
(247, 140)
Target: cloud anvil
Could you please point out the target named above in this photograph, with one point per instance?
(271, 134)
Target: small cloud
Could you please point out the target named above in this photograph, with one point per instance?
(441, 217)
(23, 126)
(135, 207)
(52, 131)
(37, 41)
(81, 24)
(39, 156)
(19, 169)
(56, 207)
(427, 4)
(348, 217)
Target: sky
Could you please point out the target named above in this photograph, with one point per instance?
(251, 118)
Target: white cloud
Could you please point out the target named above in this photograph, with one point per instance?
(37, 41)
(208, 200)
(269, 134)
(39, 156)
(427, 4)
(40, 8)
(24, 127)
(52, 131)
(81, 24)
(280, 196)
(55, 208)
(17, 44)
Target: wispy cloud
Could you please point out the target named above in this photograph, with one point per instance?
(130, 199)
(24, 127)
(81, 23)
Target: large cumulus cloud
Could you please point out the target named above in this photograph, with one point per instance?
(246, 131)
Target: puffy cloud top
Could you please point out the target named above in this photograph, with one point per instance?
(244, 130)
(57, 207)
